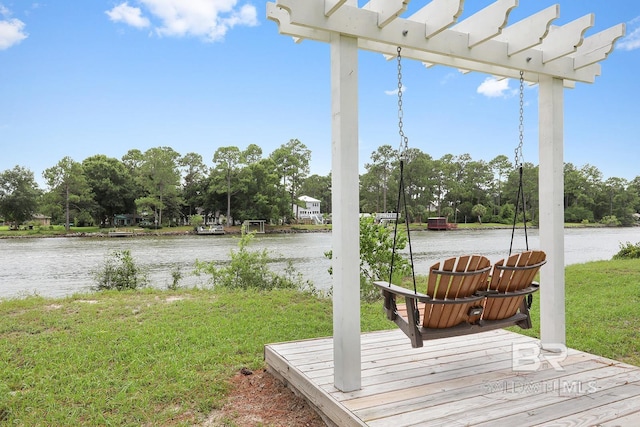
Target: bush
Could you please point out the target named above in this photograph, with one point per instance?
(196, 220)
(610, 221)
(507, 211)
(376, 251)
(176, 276)
(249, 270)
(628, 251)
(119, 272)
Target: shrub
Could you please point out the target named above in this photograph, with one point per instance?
(196, 220)
(176, 276)
(610, 221)
(507, 211)
(628, 251)
(376, 250)
(249, 270)
(120, 272)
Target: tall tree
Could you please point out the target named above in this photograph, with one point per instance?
(382, 163)
(19, 195)
(292, 160)
(67, 179)
(500, 166)
(252, 154)
(620, 200)
(420, 181)
(112, 187)
(227, 161)
(260, 196)
(529, 186)
(443, 167)
(194, 173)
(160, 177)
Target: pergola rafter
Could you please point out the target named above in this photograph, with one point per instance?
(552, 56)
(482, 42)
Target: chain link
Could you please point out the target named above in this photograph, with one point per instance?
(519, 157)
(404, 140)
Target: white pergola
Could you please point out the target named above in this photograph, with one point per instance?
(554, 57)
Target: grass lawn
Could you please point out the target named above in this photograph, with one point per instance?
(153, 357)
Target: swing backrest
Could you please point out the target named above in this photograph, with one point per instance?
(452, 285)
(511, 275)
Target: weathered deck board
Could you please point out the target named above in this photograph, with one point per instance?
(460, 381)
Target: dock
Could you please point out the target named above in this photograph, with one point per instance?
(461, 381)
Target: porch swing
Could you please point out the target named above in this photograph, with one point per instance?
(464, 294)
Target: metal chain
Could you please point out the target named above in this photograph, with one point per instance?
(519, 157)
(404, 141)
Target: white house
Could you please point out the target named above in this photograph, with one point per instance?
(309, 209)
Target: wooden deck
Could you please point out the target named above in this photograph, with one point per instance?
(461, 381)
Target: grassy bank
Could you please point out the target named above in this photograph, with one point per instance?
(148, 357)
(155, 357)
(59, 230)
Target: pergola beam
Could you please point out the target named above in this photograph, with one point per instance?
(596, 48)
(487, 23)
(549, 51)
(387, 10)
(438, 15)
(529, 32)
(561, 41)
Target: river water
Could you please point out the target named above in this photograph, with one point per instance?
(56, 267)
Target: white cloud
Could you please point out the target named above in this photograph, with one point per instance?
(494, 88)
(394, 92)
(128, 15)
(632, 40)
(11, 30)
(209, 20)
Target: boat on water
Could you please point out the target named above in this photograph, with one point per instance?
(211, 230)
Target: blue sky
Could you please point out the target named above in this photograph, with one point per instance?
(79, 78)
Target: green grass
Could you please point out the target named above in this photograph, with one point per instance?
(155, 357)
(602, 306)
(143, 358)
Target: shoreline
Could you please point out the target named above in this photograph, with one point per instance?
(236, 230)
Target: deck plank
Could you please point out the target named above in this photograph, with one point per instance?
(460, 381)
(625, 412)
(534, 406)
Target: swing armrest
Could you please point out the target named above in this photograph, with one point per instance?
(403, 292)
(491, 293)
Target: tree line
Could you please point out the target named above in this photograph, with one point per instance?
(164, 187)
(467, 190)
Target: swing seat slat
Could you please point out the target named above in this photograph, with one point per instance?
(464, 298)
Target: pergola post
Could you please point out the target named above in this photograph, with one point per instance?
(551, 194)
(345, 202)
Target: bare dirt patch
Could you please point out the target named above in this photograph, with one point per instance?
(259, 399)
